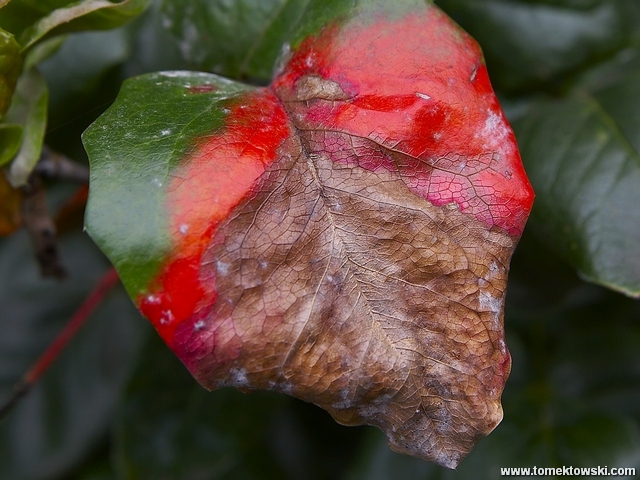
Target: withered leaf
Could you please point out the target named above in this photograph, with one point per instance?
(342, 236)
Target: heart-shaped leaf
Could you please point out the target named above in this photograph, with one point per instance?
(342, 235)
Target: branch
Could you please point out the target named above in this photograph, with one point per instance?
(39, 224)
(55, 166)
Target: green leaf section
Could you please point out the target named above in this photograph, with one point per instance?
(244, 39)
(133, 148)
(33, 20)
(10, 141)
(582, 154)
(10, 64)
(28, 112)
(17, 15)
(66, 414)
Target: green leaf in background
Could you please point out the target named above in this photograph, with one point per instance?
(531, 44)
(10, 64)
(35, 20)
(79, 66)
(42, 51)
(239, 39)
(582, 154)
(67, 414)
(10, 141)
(28, 109)
(18, 15)
(156, 116)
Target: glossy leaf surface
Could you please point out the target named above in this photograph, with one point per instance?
(10, 141)
(342, 236)
(583, 155)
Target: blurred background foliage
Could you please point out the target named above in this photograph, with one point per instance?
(118, 405)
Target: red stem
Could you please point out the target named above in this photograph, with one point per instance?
(106, 283)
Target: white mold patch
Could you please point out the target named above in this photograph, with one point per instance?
(199, 325)
(238, 378)
(222, 267)
(489, 303)
(167, 317)
(496, 134)
(153, 299)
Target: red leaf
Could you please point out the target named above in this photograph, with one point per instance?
(345, 238)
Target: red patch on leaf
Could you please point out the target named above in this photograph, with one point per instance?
(426, 96)
(213, 179)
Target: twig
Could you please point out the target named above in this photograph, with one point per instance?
(39, 224)
(55, 166)
(106, 283)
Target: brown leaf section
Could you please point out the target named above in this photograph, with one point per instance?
(340, 286)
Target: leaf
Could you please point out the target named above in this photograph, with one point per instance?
(583, 156)
(10, 141)
(597, 440)
(10, 63)
(34, 21)
(342, 236)
(29, 110)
